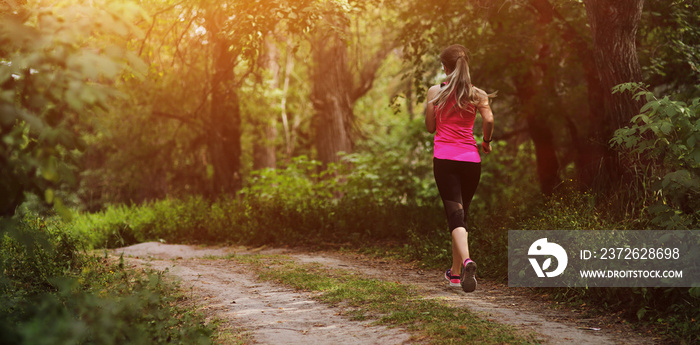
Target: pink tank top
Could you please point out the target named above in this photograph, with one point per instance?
(454, 138)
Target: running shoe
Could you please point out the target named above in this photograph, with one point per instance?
(468, 277)
(454, 280)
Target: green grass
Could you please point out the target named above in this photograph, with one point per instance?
(387, 303)
(231, 336)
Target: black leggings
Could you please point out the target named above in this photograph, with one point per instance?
(457, 182)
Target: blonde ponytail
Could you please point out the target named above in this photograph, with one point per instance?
(459, 82)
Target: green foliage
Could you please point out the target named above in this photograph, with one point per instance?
(300, 180)
(125, 309)
(192, 219)
(52, 294)
(254, 220)
(672, 312)
(33, 251)
(507, 177)
(156, 142)
(572, 210)
(670, 45)
(396, 169)
(51, 73)
(662, 146)
(299, 204)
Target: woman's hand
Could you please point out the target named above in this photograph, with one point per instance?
(486, 146)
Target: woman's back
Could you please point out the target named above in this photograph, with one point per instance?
(454, 137)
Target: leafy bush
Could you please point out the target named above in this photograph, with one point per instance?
(32, 252)
(126, 309)
(662, 148)
(52, 294)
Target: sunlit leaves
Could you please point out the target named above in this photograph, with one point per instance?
(52, 72)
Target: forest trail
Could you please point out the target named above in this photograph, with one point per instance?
(275, 314)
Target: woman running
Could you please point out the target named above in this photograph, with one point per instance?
(451, 110)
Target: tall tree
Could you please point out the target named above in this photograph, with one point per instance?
(534, 87)
(340, 76)
(614, 27)
(224, 123)
(237, 30)
(330, 95)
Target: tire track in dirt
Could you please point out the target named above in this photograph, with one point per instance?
(278, 315)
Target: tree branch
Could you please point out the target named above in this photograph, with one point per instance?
(155, 16)
(369, 73)
(180, 118)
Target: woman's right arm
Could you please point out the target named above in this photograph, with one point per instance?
(487, 117)
(430, 109)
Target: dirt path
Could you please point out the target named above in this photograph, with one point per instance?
(273, 314)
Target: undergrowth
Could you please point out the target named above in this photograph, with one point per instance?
(52, 293)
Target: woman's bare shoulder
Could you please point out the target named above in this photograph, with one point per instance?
(434, 88)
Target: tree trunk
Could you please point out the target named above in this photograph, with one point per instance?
(331, 96)
(614, 26)
(264, 147)
(224, 125)
(336, 87)
(547, 161)
(611, 61)
(289, 133)
(264, 153)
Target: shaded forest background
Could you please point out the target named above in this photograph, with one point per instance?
(301, 122)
